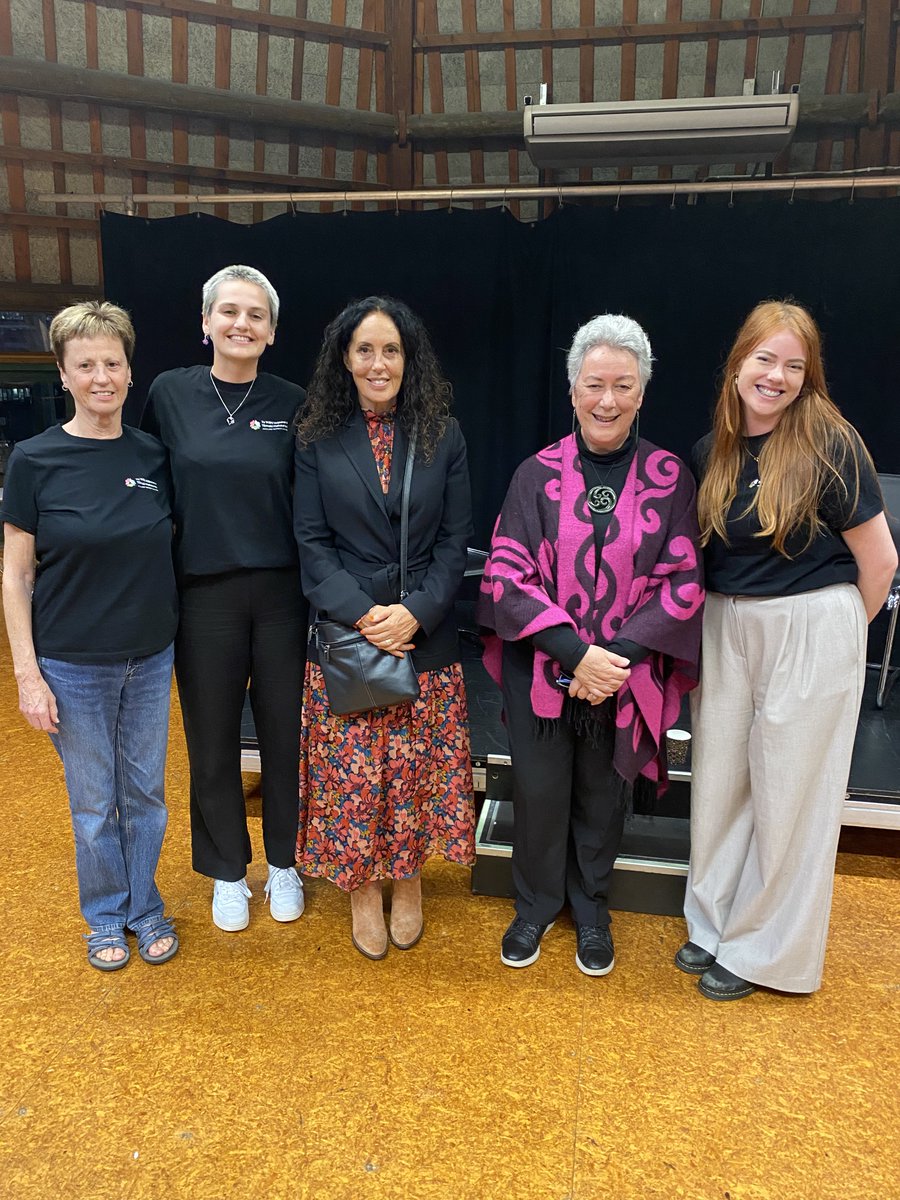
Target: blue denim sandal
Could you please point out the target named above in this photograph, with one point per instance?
(107, 941)
(163, 928)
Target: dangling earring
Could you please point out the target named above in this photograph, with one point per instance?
(637, 425)
(574, 417)
(206, 339)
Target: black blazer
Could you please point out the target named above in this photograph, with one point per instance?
(348, 533)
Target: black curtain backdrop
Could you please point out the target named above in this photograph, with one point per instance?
(502, 300)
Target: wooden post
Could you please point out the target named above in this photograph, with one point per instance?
(876, 55)
(401, 27)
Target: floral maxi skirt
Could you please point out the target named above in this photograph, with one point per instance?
(382, 791)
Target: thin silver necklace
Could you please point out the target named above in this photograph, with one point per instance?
(229, 420)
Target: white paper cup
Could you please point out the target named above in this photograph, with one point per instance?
(678, 742)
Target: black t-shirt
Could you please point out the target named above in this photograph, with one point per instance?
(750, 566)
(233, 483)
(100, 511)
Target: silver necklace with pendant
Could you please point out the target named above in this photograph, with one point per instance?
(601, 498)
(754, 483)
(229, 420)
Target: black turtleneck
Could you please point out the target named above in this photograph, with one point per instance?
(561, 642)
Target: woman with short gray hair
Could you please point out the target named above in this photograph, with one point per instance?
(229, 432)
(616, 332)
(592, 593)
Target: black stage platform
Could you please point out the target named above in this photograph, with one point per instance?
(651, 868)
(652, 865)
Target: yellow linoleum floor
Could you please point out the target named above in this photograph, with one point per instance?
(278, 1063)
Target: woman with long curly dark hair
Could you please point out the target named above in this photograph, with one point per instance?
(382, 790)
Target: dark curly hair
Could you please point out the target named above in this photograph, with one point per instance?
(331, 397)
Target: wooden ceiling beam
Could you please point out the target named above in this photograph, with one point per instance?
(45, 297)
(252, 18)
(23, 220)
(182, 170)
(35, 77)
(697, 31)
(54, 80)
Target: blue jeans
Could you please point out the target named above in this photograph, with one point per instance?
(113, 733)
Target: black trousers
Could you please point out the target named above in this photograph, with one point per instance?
(239, 627)
(568, 805)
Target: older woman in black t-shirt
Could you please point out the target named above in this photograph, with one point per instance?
(798, 557)
(91, 626)
(229, 434)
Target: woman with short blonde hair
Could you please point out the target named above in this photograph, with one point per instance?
(90, 605)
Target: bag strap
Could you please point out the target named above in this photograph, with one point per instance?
(404, 510)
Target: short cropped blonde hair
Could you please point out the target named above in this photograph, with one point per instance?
(90, 319)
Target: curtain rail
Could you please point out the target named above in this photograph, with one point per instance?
(673, 188)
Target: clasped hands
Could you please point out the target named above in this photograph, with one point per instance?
(390, 627)
(599, 675)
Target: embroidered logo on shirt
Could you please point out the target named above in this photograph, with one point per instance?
(141, 483)
(270, 426)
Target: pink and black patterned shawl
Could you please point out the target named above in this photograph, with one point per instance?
(649, 588)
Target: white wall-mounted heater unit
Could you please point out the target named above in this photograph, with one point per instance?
(713, 129)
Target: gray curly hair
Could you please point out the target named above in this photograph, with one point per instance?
(619, 333)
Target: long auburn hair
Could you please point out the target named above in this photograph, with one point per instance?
(800, 457)
(424, 397)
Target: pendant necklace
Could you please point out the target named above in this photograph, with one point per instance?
(229, 420)
(601, 498)
(754, 483)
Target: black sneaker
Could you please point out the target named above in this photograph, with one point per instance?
(693, 959)
(521, 945)
(595, 955)
(718, 983)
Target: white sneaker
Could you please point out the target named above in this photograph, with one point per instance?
(230, 910)
(284, 891)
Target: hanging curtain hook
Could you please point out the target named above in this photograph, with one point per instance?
(731, 197)
(450, 204)
(559, 199)
(396, 204)
(793, 189)
(505, 202)
(852, 190)
(618, 198)
(292, 204)
(674, 194)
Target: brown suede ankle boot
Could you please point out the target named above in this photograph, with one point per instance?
(369, 932)
(407, 925)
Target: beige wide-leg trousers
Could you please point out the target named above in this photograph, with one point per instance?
(774, 721)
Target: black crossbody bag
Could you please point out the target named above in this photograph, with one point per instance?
(359, 676)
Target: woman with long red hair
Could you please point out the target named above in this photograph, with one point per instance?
(798, 559)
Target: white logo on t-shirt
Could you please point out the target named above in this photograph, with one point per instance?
(270, 426)
(141, 483)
